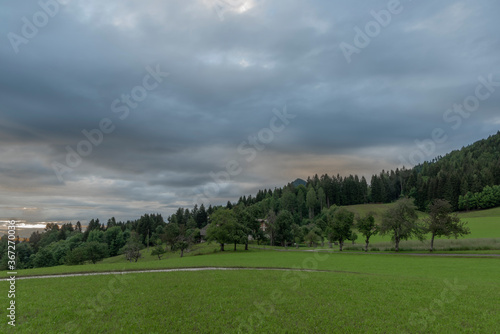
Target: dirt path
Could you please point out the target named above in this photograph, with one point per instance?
(174, 270)
(378, 253)
(415, 254)
(250, 268)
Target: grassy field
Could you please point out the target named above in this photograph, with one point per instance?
(495, 212)
(484, 224)
(255, 257)
(354, 293)
(361, 294)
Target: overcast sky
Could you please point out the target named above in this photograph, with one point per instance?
(258, 93)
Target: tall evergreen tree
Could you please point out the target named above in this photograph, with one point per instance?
(311, 201)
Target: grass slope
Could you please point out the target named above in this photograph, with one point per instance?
(483, 224)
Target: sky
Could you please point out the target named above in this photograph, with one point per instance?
(120, 107)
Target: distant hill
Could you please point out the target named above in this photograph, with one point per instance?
(469, 169)
(299, 182)
(459, 174)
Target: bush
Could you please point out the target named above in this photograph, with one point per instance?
(158, 251)
(132, 249)
(76, 256)
(90, 251)
(489, 197)
(44, 258)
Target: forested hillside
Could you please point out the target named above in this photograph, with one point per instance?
(470, 169)
(468, 179)
(460, 172)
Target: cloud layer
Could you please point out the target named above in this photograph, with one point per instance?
(232, 66)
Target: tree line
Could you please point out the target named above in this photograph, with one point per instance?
(71, 244)
(466, 179)
(460, 177)
(489, 197)
(68, 244)
(335, 225)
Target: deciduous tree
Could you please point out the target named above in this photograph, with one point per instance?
(158, 250)
(132, 249)
(341, 222)
(95, 251)
(401, 222)
(283, 227)
(442, 222)
(367, 227)
(224, 228)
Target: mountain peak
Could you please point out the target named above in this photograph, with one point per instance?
(299, 182)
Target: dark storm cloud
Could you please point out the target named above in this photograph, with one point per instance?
(226, 76)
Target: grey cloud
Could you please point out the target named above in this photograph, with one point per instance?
(225, 79)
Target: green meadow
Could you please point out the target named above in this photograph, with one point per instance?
(312, 292)
(484, 226)
(484, 239)
(356, 293)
